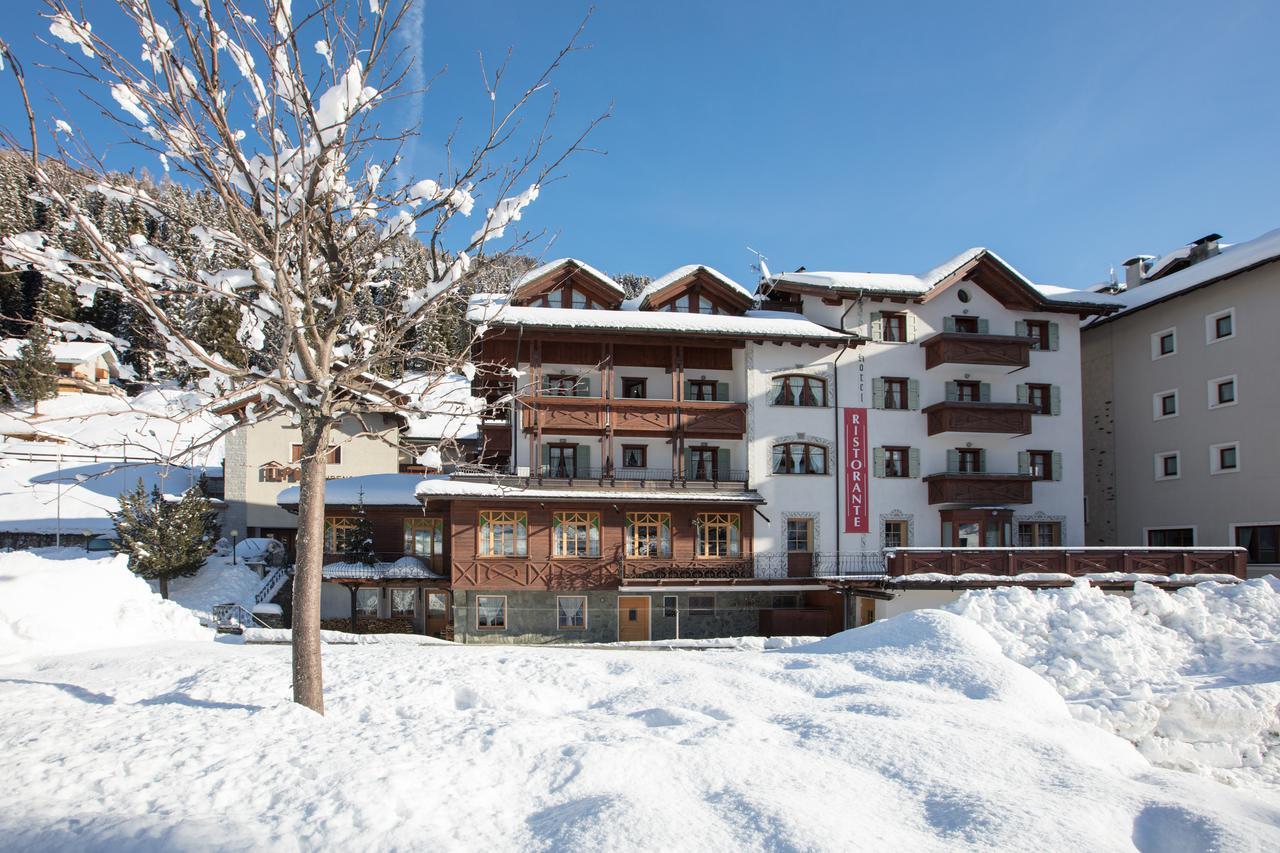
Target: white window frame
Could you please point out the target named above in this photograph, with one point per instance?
(1210, 326)
(1213, 391)
(1195, 532)
(391, 601)
(1159, 468)
(377, 610)
(1156, 355)
(1214, 467)
(586, 614)
(1156, 413)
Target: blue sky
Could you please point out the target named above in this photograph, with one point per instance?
(877, 136)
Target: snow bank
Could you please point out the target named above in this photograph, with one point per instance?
(217, 582)
(285, 636)
(52, 607)
(1192, 677)
(738, 643)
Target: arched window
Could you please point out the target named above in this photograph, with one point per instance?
(798, 457)
(799, 390)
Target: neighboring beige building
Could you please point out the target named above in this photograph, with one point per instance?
(1182, 402)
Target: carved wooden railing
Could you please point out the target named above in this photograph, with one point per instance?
(1068, 561)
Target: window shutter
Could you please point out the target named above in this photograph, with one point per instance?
(984, 326)
(953, 392)
(953, 461)
(984, 392)
(688, 462)
(982, 460)
(1024, 462)
(1055, 400)
(722, 391)
(877, 461)
(546, 385)
(948, 324)
(913, 393)
(946, 534)
(911, 327)
(913, 462)
(688, 390)
(722, 463)
(877, 326)
(1057, 465)
(1020, 328)
(582, 460)
(546, 457)
(1053, 336)
(992, 537)
(877, 393)
(582, 386)
(1023, 395)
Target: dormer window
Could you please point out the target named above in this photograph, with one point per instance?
(579, 300)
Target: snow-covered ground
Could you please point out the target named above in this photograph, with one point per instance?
(916, 733)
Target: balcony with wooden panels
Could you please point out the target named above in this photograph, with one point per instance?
(972, 416)
(1069, 561)
(979, 488)
(1010, 351)
(633, 417)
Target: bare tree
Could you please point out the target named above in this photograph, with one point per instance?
(273, 110)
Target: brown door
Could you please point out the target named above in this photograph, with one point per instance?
(799, 547)
(866, 611)
(437, 613)
(633, 617)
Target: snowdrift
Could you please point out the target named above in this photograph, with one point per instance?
(1191, 677)
(60, 606)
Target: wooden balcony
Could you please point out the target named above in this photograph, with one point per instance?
(957, 487)
(631, 417)
(997, 418)
(1069, 561)
(964, 348)
(560, 415)
(701, 419)
(642, 417)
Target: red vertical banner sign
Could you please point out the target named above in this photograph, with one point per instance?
(856, 479)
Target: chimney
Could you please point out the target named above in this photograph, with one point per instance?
(1134, 271)
(1204, 248)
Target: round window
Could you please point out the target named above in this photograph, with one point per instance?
(964, 295)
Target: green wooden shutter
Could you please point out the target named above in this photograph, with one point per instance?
(1020, 328)
(953, 392)
(953, 460)
(913, 462)
(722, 392)
(1055, 400)
(948, 324)
(1057, 465)
(877, 326)
(1053, 336)
(984, 392)
(946, 534)
(913, 393)
(1023, 395)
(877, 393)
(688, 389)
(722, 463)
(546, 457)
(982, 460)
(1024, 462)
(877, 461)
(582, 460)
(688, 462)
(984, 326)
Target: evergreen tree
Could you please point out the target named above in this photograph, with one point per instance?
(35, 373)
(165, 538)
(632, 283)
(360, 544)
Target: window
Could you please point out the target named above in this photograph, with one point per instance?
(648, 535)
(578, 300)
(1164, 343)
(894, 328)
(635, 389)
(1222, 392)
(1220, 326)
(367, 602)
(1167, 465)
(1262, 541)
(404, 602)
(1224, 458)
(562, 460)
(785, 601)
(702, 389)
(703, 463)
(635, 456)
(718, 535)
(799, 535)
(575, 534)
(491, 612)
(334, 457)
(337, 534)
(571, 612)
(503, 533)
(967, 325)
(797, 457)
(670, 606)
(1040, 464)
(799, 391)
(895, 393)
(897, 462)
(1038, 330)
(424, 537)
(1041, 397)
(274, 472)
(1039, 534)
(962, 295)
(1171, 537)
(895, 533)
(1164, 404)
(702, 605)
(969, 460)
(564, 385)
(968, 391)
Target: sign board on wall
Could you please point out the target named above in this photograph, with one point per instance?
(856, 481)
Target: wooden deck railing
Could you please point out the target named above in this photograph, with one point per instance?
(1069, 561)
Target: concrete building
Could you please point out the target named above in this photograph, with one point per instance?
(1182, 402)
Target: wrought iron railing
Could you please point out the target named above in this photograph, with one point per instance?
(820, 565)
(234, 617)
(654, 475)
(271, 585)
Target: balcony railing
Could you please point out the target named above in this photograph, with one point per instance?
(614, 475)
(966, 348)
(968, 487)
(970, 416)
(636, 417)
(1069, 561)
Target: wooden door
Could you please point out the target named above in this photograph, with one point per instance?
(437, 613)
(633, 617)
(799, 547)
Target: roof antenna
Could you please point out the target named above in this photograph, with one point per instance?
(1112, 279)
(761, 265)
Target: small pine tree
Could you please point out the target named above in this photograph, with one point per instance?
(35, 373)
(165, 539)
(360, 544)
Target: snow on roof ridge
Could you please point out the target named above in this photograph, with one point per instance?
(539, 272)
(74, 351)
(678, 273)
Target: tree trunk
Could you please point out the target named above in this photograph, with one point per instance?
(164, 586)
(308, 683)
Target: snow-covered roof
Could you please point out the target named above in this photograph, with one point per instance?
(405, 568)
(444, 486)
(64, 352)
(495, 310)
(663, 282)
(1229, 261)
(552, 266)
(446, 406)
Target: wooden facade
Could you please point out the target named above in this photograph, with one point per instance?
(964, 416)
(979, 488)
(1071, 561)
